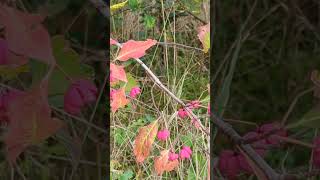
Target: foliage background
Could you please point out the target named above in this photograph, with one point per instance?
(185, 71)
(62, 156)
(278, 51)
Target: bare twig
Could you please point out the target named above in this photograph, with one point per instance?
(247, 149)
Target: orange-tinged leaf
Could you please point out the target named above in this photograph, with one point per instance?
(135, 49)
(30, 121)
(204, 36)
(119, 99)
(144, 140)
(117, 73)
(162, 163)
(25, 34)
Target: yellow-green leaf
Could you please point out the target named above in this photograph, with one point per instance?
(9, 73)
(118, 6)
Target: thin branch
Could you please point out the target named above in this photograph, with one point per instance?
(247, 149)
(80, 120)
(222, 125)
(96, 106)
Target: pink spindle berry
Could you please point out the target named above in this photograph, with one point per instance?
(185, 152)
(80, 93)
(173, 156)
(229, 165)
(316, 152)
(163, 135)
(182, 113)
(272, 139)
(194, 104)
(134, 92)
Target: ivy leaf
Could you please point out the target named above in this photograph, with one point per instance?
(26, 35)
(162, 163)
(144, 140)
(204, 36)
(30, 121)
(119, 99)
(118, 6)
(135, 49)
(117, 73)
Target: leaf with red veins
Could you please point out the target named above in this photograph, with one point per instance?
(117, 73)
(144, 140)
(162, 163)
(25, 34)
(135, 49)
(30, 121)
(119, 99)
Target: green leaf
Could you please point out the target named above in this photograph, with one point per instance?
(311, 119)
(191, 174)
(119, 136)
(206, 42)
(223, 97)
(131, 82)
(134, 4)
(187, 140)
(128, 174)
(69, 66)
(149, 21)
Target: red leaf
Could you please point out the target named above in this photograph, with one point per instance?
(162, 163)
(26, 35)
(30, 121)
(9, 58)
(119, 99)
(112, 41)
(135, 49)
(117, 73)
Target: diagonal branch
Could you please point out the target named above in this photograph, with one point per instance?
(227, 129)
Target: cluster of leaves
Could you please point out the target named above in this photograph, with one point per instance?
(58, 79)
(119, 93)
